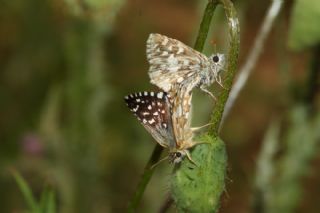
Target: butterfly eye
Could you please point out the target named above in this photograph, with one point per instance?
(178, 154)
(215, 59)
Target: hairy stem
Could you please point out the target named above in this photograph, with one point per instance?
(205, 25)
(145, 178)
(253, 57)
(232, 62)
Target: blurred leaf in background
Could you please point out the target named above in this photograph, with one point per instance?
(47, 202)
(304, 27)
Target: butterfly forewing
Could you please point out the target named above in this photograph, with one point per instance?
(153, 111)
(172, 62)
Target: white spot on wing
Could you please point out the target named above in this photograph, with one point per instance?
(136, 109)
(165, 53)
(180, 79)
(186, 62)
(165, 41)
(151, 121)
(180, 50)
(173, 69)
(160, 95)
(149, 107)
(172, 60)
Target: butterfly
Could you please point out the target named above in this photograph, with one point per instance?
(178, 69)
(153, 110)
(174, 64)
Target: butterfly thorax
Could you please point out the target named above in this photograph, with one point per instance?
(207, 77)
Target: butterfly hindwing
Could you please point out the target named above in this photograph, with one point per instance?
(153, 111)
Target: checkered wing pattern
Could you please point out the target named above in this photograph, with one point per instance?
(178, 69)
(181, 118)
(153, 110)
(172, 62)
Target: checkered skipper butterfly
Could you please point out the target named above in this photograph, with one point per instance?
(153, 110)
(177, 69)
(173, 63)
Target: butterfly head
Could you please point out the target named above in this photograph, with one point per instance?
(217, 62)
(177, 156)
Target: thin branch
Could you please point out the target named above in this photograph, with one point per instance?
(256, 51)
(205, 25)
(234, 37)
(145, 178)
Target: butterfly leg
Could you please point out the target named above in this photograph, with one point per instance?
(208, 92)
(193, 129)
(219, 81)
(189, 157)
(187, 153)
(160, 161)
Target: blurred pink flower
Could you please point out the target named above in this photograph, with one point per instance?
(31, 144)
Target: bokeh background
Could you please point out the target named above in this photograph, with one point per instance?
(65, 66)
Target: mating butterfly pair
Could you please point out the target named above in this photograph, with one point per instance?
(177, 69)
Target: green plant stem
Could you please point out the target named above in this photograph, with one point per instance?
(147, 174)
(232, 62)
(145, 178)
(205, 25)
(248, 67)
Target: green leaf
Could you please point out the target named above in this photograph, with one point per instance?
(47, 203)
(26, 191)
(305, 31)
(198, 188)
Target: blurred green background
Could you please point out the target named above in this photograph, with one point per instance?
(67, 64)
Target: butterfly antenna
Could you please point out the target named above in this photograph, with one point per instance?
(219, 81)
(194, 129)
(214, 44)
(156, 164)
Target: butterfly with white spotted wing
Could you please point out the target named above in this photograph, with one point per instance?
(178, 69)
(153, 110)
